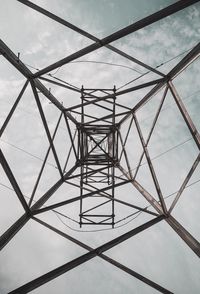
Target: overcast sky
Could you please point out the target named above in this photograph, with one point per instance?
(157, 253)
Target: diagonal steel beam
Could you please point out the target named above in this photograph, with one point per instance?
(70, 135)
(13, 182)
(7, 236)
(191, 171)
(195, 134)
(186, 61)
(119, 34)
(83, 258)
(13, 108)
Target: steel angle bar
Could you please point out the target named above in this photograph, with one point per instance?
(46, 127)
(184, 234)
(195, 134)
(13, 108)
(60, 84)
(70, 135)
(71, 200)
(119, 34)
(191, 171)
(154, 203)
(83, 258)
(125, 155)
(13, 230)
(126, 138)
(13, 182)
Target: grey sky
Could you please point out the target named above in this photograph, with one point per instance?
(157, 253)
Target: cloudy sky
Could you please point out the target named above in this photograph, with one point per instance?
(157, 253)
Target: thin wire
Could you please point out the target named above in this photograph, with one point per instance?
(161, 154)
(107, 63)
(28, 153)
(163, 63)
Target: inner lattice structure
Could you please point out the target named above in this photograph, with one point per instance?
(100, 151)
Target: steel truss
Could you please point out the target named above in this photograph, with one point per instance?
(98, 153)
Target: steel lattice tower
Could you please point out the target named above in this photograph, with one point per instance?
(99, 149)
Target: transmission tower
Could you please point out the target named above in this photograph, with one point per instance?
(98, 127)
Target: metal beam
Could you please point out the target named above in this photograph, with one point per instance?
(12, 231)
(13, 182)
(83, 258)
(184, 234)
(119, 34)
(195, 134)
(186, 61)
(191, 171)
(13, 108)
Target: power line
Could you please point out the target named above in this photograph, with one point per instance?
(161, 64)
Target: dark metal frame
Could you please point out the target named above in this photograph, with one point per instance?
(89, 96)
